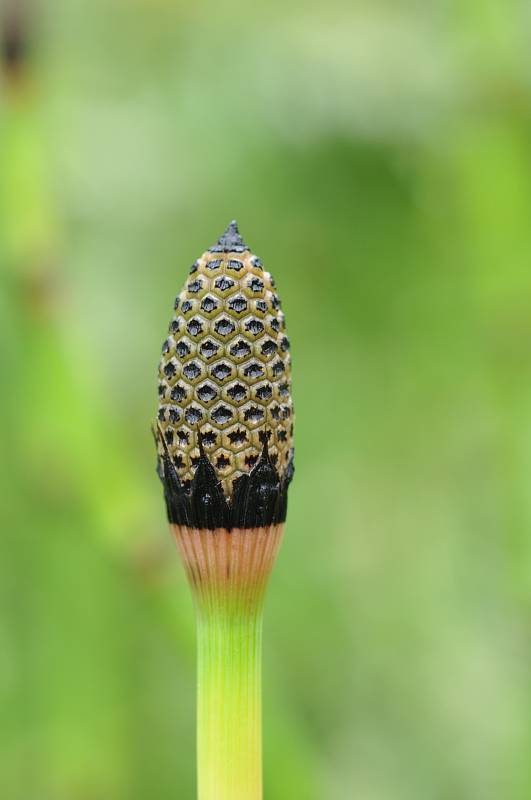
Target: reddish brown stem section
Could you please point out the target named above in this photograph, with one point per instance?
(228, 566)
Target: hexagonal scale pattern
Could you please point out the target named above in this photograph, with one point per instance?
(225, 370)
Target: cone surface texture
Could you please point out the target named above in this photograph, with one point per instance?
(225, 377)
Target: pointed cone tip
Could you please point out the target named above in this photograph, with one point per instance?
(230, 240)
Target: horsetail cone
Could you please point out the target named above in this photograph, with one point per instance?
(225, 457)
(225, 418)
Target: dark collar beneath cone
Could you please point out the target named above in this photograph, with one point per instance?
(259, 499)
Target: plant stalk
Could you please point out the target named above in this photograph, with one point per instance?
(228, 572)
(229, 711)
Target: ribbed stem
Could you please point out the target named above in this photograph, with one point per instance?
(229, 712)
(228, 573)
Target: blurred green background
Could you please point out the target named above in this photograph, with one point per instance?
(377, 156)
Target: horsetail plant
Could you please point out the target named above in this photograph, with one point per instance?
(225, 458)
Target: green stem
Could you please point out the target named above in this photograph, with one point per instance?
(228, 572)
(229, 708)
